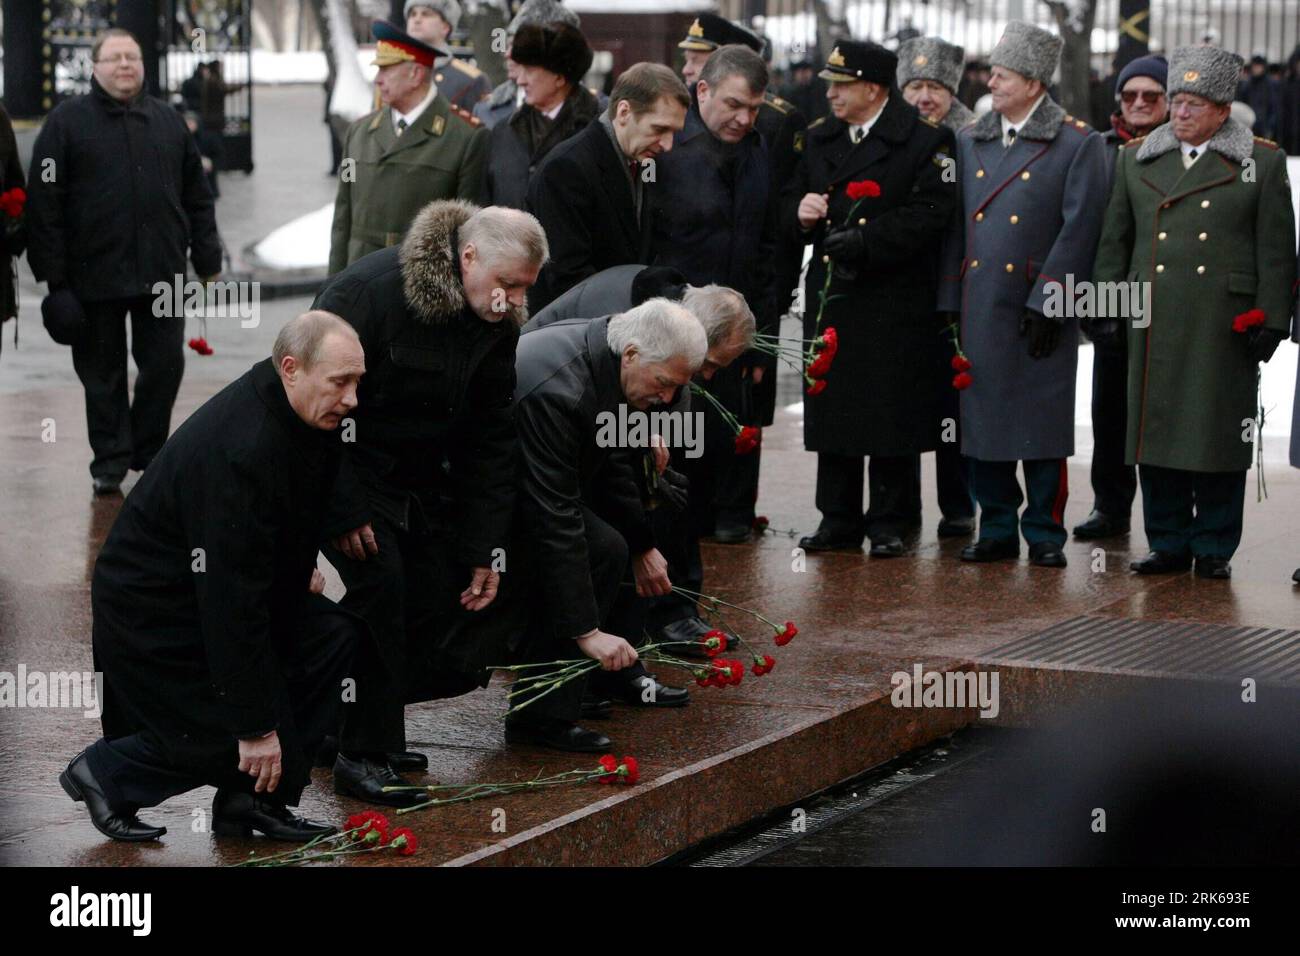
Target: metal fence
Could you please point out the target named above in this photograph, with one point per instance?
(207, 31)
(1271, 27)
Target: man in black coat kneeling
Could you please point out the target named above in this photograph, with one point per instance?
(223, 664)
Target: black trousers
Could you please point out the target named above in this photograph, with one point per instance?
(621, 611)
(1114, 484)
(724, 485)
(951, 468)
(125, 434)
(1193, 512)
(999, 494)
(408, 594)
(136, 771)
(895, 494)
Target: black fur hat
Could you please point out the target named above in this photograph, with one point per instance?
(557, 47)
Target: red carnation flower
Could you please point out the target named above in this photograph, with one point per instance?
(862, 189)
(819, 366)
(710, 647)
(737, 672)
(960, 363)
(763, 665)
(404, 841)
(761, 524)
(785, 637)
(201, 346)
(748, 440)
(830, 340)
(12, 201)
(704, 678)
(1248, 320)
(962, 380)
(628, 772)
(610, 764)
(817, 387)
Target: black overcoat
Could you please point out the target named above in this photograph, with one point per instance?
(582, 197)
(884, 391)
(116, 196)
(205, 573)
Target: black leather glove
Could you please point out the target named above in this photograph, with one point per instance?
(674, 487)
(1044, 333)
(1262, 343)
(845, 245)
(64, 317)
(1106, 334)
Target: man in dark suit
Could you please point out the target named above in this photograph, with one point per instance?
(580, 506)
(872, 195)
(222, 662)
(590, 193)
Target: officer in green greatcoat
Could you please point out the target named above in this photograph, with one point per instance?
(1200, 218)
(417, 148)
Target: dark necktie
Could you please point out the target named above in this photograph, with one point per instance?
(1192, 155)
(1011, 137)
(856, 134)
(401, 126)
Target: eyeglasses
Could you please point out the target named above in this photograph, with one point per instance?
(1148, 96)
(1191, 107)
(120, 58)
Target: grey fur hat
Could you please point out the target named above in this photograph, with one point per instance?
(1029, 50)
(930, 58)
(543, 12)
(1207, 71)
(448, 9)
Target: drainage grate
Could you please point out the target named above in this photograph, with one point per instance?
(1172, 648)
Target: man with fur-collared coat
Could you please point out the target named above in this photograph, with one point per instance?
(425, 498)
(1032, 183)
(1201, 219)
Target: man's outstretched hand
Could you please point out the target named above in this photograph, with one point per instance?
(612, 651)
(358, 542)
(260, 758)
(481, 591)
(651, 572)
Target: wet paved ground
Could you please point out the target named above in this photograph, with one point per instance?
(730, 756)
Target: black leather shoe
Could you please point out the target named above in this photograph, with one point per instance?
(1046, 554)
(956, 527)
(1208, 566)
(823, 540)
(556, 734)
(595, 708)
(365, 779)
(1296, 577)
(408, 761)
(1162, 562)
(633, 692)
(80, 784)
(988, 549)
(107, 485)
(1100, 525)
(235, 813)
(738, 534)
(886, 546)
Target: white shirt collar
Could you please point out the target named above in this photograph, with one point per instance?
(1007, 124)
(419, 108)
(866, 127)
(554, 111)
(1188, 147)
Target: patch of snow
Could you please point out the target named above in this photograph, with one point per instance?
(303, 243)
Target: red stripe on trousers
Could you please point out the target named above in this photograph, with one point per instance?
(1062, 493)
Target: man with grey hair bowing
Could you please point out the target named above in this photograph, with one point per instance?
(580, 511)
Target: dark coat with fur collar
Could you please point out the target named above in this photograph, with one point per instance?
(434, 418)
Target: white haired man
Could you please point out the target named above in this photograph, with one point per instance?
(417, 534)
(580, 504)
